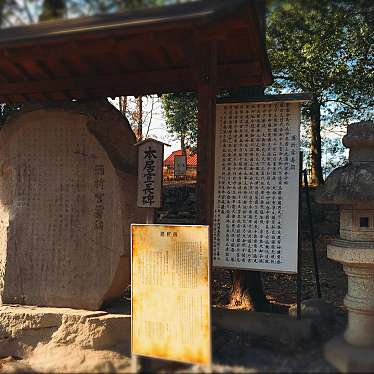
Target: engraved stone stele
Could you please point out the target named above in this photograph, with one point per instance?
(67, 199)
(352, 188)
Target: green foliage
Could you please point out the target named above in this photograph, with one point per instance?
(180, 112)
(325, 48)
(18, 12)
(79, 7)
(2, 4)
(52, 9)
(334, 154)
(319, 46)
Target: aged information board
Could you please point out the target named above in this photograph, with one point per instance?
(171, 293)
(257, 186)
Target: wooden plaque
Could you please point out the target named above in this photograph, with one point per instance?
(150, 159)
(171, 293)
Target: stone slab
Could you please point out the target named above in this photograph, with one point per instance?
(348, 358)
(276, 327)
(25, 328)
(67, 187)
(68, 359)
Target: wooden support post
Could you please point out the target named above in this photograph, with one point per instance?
(207, 90)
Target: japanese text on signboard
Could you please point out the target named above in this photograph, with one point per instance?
(171, 292)
(257, 186)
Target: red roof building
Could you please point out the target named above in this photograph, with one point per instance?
(191, 165)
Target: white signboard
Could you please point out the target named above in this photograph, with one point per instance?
(180, 165)
(150, 159)
(257, 186)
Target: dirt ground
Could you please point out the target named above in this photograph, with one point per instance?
(242, 353)
(245, 353)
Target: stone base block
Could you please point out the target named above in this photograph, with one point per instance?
(276, 327)
(321, 313)
(348, 358)
(64, 340)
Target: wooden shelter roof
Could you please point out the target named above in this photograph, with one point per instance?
(150, 51)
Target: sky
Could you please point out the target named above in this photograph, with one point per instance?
(154, 123)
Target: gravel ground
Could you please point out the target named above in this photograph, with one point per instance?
(245, 353)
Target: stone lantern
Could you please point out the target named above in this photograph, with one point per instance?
(352, 188)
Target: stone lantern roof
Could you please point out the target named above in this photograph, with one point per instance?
(354, 182)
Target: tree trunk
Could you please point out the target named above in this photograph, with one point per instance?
(183, 144)
(122, 101)
(316, 144)
(2, 3)
(247, 291)
(139, 117)
(52, 9)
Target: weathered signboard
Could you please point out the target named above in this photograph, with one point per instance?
(180, 166)
(150, 159)
(170, 293)
(257, 186)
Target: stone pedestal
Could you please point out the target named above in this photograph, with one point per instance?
(352, 188)
(68, 178)
(358, 263)
(348, 358)
(62, 340)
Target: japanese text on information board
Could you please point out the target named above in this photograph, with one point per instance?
(257, 186)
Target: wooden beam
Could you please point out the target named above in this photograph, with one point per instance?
(167, 57)
(33, 70)
(90, 48)
(207, 90)
(3, 77)
(22, 71)
(45, 69)
(16, 98)
(61, 50)
(132, 81)
(170, 80)
(254, 28)
(11, 72)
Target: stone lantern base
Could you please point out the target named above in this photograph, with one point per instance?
(348, 358)
(352, 188)
(354, 352)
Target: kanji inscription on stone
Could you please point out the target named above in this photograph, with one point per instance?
(171, 293)
(257, 186)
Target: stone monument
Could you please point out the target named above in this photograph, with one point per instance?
(68, 177)
(352, 188)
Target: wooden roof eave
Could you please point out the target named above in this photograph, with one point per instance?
(34, 47)
(130, 22)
